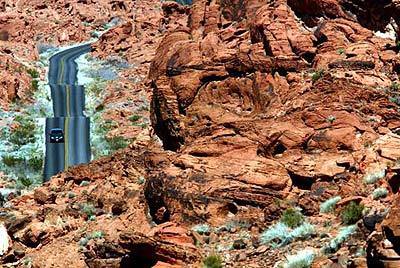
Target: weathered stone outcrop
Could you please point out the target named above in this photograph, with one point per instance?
(233, 96)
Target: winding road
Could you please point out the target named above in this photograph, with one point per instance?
(68, 107)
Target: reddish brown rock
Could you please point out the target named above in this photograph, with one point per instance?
(248, 125)
(383, 244)
(16, 82)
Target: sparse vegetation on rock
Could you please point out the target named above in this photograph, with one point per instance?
(329, 205)
(10, 160)
(317, 75)
(24, 133)
(339, 239)
(302, 259)
(212, 261)
(280, 234)
(373, 177)
(351, 213)
(292, 218)
(379, 193)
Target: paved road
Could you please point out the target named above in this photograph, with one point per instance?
(68, 100)
(68, 107)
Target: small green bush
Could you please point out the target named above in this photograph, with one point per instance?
(292, 218)
(25, 181)
(108, 125)
(135, 118)
(95, 88)
(24, 133)
(395, 86)
(11, 161)
(212, 261)
(117, 142)
(352, 213)
(36, 163)
(395, 100)
(317, 75)
(340, 51)
(71, 195)
(87, 209)
(33, 73)
(35, 85)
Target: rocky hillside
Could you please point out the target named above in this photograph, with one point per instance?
(273, 142)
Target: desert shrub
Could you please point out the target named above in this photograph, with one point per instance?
(202, 229)
(36, 163)
(352, 213)
(95, 235)
(134, 118)
(26, 182)
(340, 51)
(274, 234)
(108, 125)
(24, 133)
(301, 232)
(395, 86)
(117, 142)
(292, 217)
(280, 234)
(212, 261)
(141, 180)
(395, 100)
(379, 192)
(374, 176)
(331, 119)
(303, 259)
(87, 209)
(341, 237)
(71, 195)
(83, 241)
(84, 183)
(35, 85)
(329, 205)
(317, 75)
(10, 160)
(33, 73)
(95, 88)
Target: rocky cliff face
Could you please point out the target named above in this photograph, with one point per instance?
(266, 100)
(262, 108)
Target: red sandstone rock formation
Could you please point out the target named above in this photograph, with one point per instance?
(260, 106)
